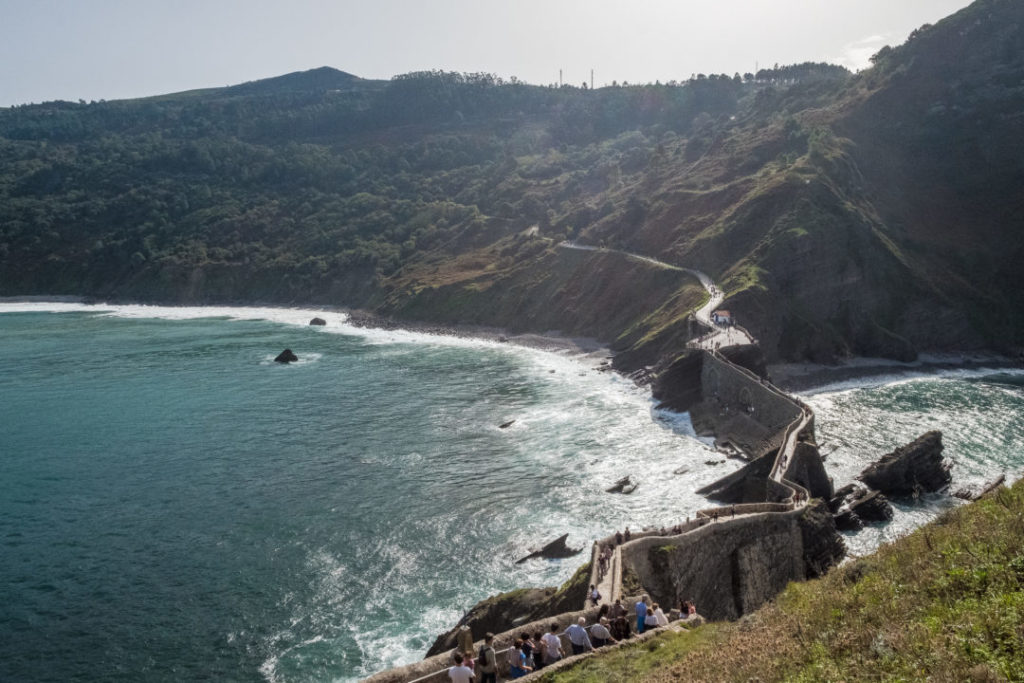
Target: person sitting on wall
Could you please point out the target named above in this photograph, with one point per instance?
(578, 637)
(460, 673)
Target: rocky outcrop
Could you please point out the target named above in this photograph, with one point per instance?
(317, 321)
(678, 387)
(496, 614)
(915, 468)
(553, 550)
(286, 356)
(853, 505)
(823, 547)
(505, 611)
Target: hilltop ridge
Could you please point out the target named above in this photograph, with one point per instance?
(844, 214)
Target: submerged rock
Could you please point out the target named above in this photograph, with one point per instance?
(506, 425)
(915, 468)
(317, 321)
(286, 356)
(619, 486)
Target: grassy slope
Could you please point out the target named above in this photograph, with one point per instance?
(944, 603)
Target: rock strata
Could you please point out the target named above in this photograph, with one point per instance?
(915, 468)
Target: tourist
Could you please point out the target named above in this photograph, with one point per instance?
(578, 637)
(595, 595)
(650, 621)
(528, 649)
(641, 613)
(618, 538)
(538, 650)
(599, 633)
(660, 616)
(460, 673)
(517, 667)
(552, 645)
(487, 662)
(617, 609)
(620, 628)
(626, 535)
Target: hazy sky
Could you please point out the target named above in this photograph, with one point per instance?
(108, 49)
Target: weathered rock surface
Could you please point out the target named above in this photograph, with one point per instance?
(678, 387)
(917, 467)
(502, 612)
(823, 547)
(286, 356)
(854, 504)
(317, 321)
(553, 550)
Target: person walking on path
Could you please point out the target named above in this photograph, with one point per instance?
(487, 663)
(552, 645)
(600, 635)
(578, 637)
(617, 610)
(460, 673)
(641, 613)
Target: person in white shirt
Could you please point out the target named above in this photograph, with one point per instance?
(660, 616)
(552, 645)
(459, 673)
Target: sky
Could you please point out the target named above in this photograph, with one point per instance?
(113, 49)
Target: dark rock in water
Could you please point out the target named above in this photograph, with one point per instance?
(506, 425)
(553, 550)
(853, 505)
(317, 321)
(915, 468)
(847, 520)
(872, 507)
(286, 356)
(629, 489)
(618, 486)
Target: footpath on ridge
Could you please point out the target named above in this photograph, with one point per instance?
(610, 581)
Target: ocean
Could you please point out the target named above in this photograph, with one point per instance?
(176, 506)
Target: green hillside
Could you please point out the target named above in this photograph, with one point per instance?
(875, 213)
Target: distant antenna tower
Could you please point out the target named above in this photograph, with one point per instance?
(591, 79)
(559, 78)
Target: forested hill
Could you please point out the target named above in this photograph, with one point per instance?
(876, 213)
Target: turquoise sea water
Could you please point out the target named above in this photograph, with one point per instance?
(176, 506)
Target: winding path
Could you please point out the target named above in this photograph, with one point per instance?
(719, 335)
